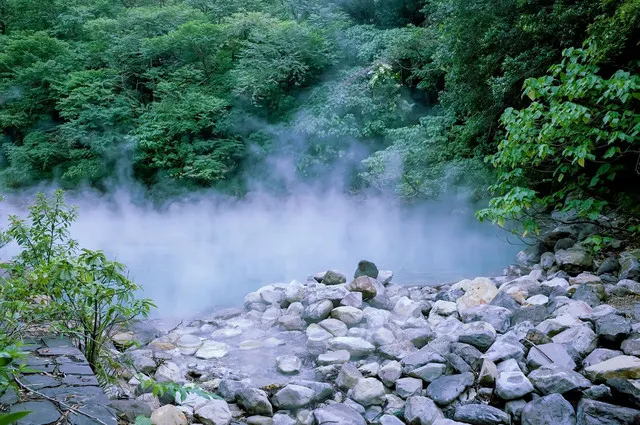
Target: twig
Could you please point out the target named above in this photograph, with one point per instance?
(58, 402)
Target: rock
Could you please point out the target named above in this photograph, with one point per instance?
(384, 276)
(498, 317)
(477, 291)
(317, 311)
(215, 412)
(390, 372)
(592, 412)
(169, 372)
(612, 329)
(405, 307)
(334, 357)
(481, 414)
(521, 288)
(425, 355)
(357, 347)
(447, 388)
(383, 336)
(429, 372)
(478, 334)
(630, 265)
(512, 385)
(446, 422)
(597, 392)
(421, 411)
(333, 278)
(581, 338)
(546, 354)
(212, 350)
(366, 268)
(143, 362)
(350, 316)
(443, 308)
(419, 337)
(293, 397)
(574, 260)
(503, 349)
(549, 410)
(188, 344)
(536, 300)
(129, 410)
(407, 387)
(255, 401)
(348, 377)
(390, 420)
(599, 355)
(365, 285)
(564, 243)
(552, 379)
(294, 292)
(627, 367)
(631, 346)
(259, 420)
(292, 322)
(352, 299)
(506, 301)
(515, 408)
(334, 326)
(488, 373)
(367, 392)
(528, 256)
(609, 265)
(288, 365)
(283, 418)
(167, 415)
(337, 413)
(271, 294)
(547, 260)
(625, 392)
(322, 390)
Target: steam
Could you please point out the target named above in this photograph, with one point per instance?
(210, 251)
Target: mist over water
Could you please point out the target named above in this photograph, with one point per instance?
(210, 251)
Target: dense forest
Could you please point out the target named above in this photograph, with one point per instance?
(532, 101)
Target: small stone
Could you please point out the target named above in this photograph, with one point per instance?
(390, 372)
(288, 365)
(317, 311)
(549, 410)
(581, 338)
(481, 414)
(334, 278)
(212, 350)
(350, 316)
(488, 373)
(348, 377)
(498, 317)
(537, 300)
(334, 357)
(514, 408)
(366, 268)
(293, 397)
(337, 413)
(365, 285)
(189, 344)
(612, 329)
(254, 401)
(333, 326)
(429, 372)
(592, 412)
(421, 411)
(368, 391)
(477, 291)
(447, 388)
(215, 412)
(478, 334)
(512, 385)
(357, 347)
(168, 415)
(352, 299)
(545, 354)
(407, 387)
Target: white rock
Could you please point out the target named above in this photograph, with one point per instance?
(357, 347)
(477, 291)
(215, 412)
(537, 300)
(348, 315)
(288, 364)
(168, 415)
(212, 350)
(367, 392)
(444, 308)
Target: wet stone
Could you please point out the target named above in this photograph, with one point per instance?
(80, 380)
(75, 369)
(37, 382)
(42, 412)
(59, 351)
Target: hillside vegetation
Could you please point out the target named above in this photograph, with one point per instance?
(532, 101)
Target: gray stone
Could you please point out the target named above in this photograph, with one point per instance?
(255, 401)
(600, 355)
(364, 284)
(545, 354)
(597, 392)
(612, 329)
(357, 347)
(426, 354)
(535, 314)
(348, 377)
(129, 410)
(625, 392)
(581, 338)
(42, 412)
(334, 278)
(366, 268)
(429, 372)
(350, 316)
(552, 379)
(338, 413)
(288, 365)
(390, 372)
(478, 334)
(367, 392)
(549, 410)
(407, 387)
(397, 350)
(504, 349)
(390, 420)
(574, 260)
(317, 311)
(515, 408)
(481, 414)
(512, 385)
(630, 265)
(334, 357)
(293, 397)
(505, 300)
(627, 367)
(421, 411)
(592, 412)
(352, 299)
(447, 388)
(334, 327)
(419, 336)
(488, 373)
(498, 317)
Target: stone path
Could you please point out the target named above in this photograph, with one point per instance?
(59, 371)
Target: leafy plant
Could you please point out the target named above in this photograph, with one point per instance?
(158, 389)
(143, 420)
(78, 292)
(9, 418)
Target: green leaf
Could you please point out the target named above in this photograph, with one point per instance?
(143, 420)
(9, 418)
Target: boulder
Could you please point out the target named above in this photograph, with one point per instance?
(254, 401)
(630, 265)
(212, 350)
(293, 397)
(333, 278)
(288, 365)
(366, 268)
(481, 414)
(498, 317)
(421, 411)
(350, 316)
(168, 415)
(338, 413)
(511, 385)
(625, 392)
(552, 379)
(447, 388)
(367, 392)
(612, 329)
(549, 410)
(476, 292)
(429, 372)
(357, 347)
(599, 355)
(478, 334)
(592, 412)
(215, 412)
(390, 372)
(365, 285)
(546, 354)
(574, 260)
(318, 311)
(407, 387)
(581, 338)
(334, 357)
(627, 367)
(348, 377)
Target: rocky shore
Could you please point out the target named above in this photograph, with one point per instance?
(556, 341)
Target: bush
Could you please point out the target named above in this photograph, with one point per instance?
(77, 292)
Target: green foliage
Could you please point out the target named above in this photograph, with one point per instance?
(77, 292)
(10, 366)
(9, 418)
(572, 147)
(142, 420)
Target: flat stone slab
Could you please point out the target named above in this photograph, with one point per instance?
(42, 412)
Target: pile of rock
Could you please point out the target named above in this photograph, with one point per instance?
(540, 349)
